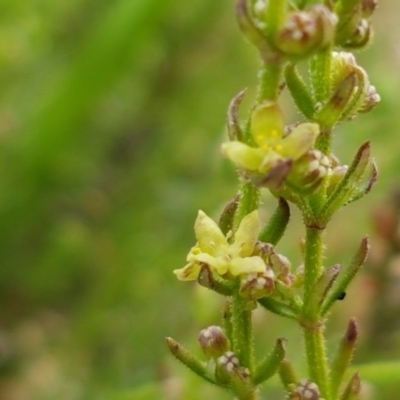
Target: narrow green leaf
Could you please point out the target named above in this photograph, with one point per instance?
(269, 366)
(226, 219)
(343, 356)
(322, 287)
(333, 109)
(359, 95)
(278, 308)
(188, 359)
(299, 91)
(277, 224)
(349, 14)
(233, 122)
(253, 33)
(353, 389)
(214, 282)
(343, 190)
(366, 185)
(346, 276)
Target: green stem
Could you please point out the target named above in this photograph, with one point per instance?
(324, 141)
(242, 332)
(320, 72)
(316, 358)
(249, 200)
(312, 325)
(270, 76)
(314, 247)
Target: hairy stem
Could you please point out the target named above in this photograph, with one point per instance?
(242, 332)
(269, 76)
(313, 326)
(320, 71)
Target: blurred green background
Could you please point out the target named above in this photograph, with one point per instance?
(111, 115)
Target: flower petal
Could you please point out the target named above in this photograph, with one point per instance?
(218, 264)
(299, 141)
(246, 235)
(267, 124)
(243, 155)
(208, 234)
(247, 265)
(188, 273)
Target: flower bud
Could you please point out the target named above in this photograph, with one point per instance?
(255, 286)
(226, 366)
(229, 371)
(305, 390)
(364, 96)
(306, 32)
(213, 341)
(371, 100)
(308, 172)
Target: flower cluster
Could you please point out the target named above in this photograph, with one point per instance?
(276, 150)
(256, 264)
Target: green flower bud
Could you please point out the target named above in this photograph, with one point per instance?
(308, 172)
(306, 32)
(371, 100)
(213, 341)
(227, 365)
(255, 286)
(229, 371)
(305, 390)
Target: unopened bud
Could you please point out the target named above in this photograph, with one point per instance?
(308, 171)
(256, 286)
(306, 32)
(371, 100)
(228, 369)
(213, 341)
(305, 390)
(280, 264)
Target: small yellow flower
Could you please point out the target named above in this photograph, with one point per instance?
(272, 146)
(214, 250)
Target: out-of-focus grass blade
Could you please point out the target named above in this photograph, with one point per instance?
(119, 37)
